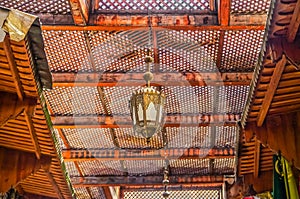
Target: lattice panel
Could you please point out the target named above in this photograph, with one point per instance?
(81, 193)
(188, 50)
(128, 140)
(226, 136)
(250, 6)
(71, 168)
(91, 168)
(188, 194)
(119, 51)
(67, 51)
(232, 99)
(118, 99)
(188, 99)
(97, 193)
(224, 166)
(60, 141)
(154, 5)
(74, 101)
(241, 49)
(39, 6)
(189, 167)
(87, 138)
(188, 137)
(144, 167)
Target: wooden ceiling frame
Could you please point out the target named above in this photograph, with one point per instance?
(294, 24)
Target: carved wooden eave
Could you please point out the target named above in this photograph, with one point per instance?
(29, 159)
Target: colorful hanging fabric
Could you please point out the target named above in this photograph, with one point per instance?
(278, 179)
(289, 179)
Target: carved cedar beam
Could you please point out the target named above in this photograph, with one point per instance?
(18, 165)
(144, 154)
(164, 79)
(142, 180)
(126, 122)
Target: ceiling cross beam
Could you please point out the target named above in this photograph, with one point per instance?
(143, 180)
(276, 76)
(124, 121)
(146, 154)
(294, 23)
(13, 67)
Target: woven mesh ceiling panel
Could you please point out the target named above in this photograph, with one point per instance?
(224, 166)
(226, 136)
(188, 50)
(95, 138)
(174, 194)
(189, 167)
(128, 140)
(71, 168)
(91, 168)
(119, 51)
(241, 49)
(250, 6)
(153, 5)
(144, 167)
(39, 6)
(74, 101)
(66, 51)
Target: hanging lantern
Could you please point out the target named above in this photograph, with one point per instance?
(147, 107)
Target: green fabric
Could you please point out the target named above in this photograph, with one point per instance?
(290, 183)
(278, 180)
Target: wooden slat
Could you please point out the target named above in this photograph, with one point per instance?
(256, 158)
(13, 67)
(294, 23)
(224, 12)
(271, 91)
(141, 154)
(54, 185)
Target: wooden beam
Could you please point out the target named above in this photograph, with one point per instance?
(280, 65)
(224, 12)
(145, 154)
(13, 67)
(107, 192)
(28, 113)
(54, 184)
(144, 27)
(256, 158)
(64, 139)
(294, 23)
(80, 11)
(16, 166)
(126, 122)
(142, 180)
(163, 79)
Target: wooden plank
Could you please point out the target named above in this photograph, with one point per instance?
(161, 78)
(80, 11)
(64, 139)
(145, 154)
(126, 122)
(224, 12)
(54, 184)
(107, 192)
(294, 23)
(142, 180)
(256, 158)
(13, 67)
(28, 117)
(123, 28)
(271, 91)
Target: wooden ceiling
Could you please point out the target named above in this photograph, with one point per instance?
(205, 53)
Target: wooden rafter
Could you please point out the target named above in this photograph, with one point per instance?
(229, 119)
(128, 27)
(13, 67)
(145, 154)
(54, 184)
(143, 180)
(280, 65)
(80, 11)
(224, 12)
(294, 23)
(107, 192)
(163, 79)
(256, 157)
(28, 112)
